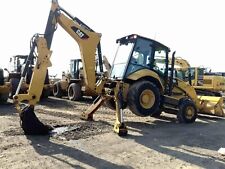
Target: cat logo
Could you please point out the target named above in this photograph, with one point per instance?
(81, 34)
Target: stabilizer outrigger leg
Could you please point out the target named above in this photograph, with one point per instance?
(31, 125)
(119, 125)
(88, 114)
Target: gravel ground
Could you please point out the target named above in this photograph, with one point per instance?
(151, 142)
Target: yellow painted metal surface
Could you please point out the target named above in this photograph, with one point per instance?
(211, 105)
(146, 73)
(204, 104)
(215, 83)
(39, 74)
(64, 85)
(87, 48)
(147, 99)
(5, 88)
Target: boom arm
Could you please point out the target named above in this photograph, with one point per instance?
(180, 63)
(88, 42)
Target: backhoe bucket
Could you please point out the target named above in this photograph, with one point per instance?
(211, 105)
(31, 125)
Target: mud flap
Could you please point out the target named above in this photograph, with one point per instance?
(31, 125)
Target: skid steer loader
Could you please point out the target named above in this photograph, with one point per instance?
(141, 77)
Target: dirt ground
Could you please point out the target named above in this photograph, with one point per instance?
(151, 142)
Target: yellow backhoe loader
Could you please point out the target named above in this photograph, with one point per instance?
(141, 77)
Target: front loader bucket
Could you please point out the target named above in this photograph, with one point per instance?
(31, 125)
(211, 105)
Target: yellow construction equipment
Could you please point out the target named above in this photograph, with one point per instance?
(4, 87)
(14, 73)
(72, 83)
(88, 41)
(205, 83)
(141, 77)
(211, 84)
(17, 64)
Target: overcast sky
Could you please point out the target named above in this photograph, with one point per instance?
(194, 28)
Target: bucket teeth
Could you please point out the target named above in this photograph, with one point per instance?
(31, 125)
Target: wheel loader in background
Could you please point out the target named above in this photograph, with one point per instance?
(72, 83)
(14, 73)
(141, 77)
(204, 82)
(4, 88)
(17, 64)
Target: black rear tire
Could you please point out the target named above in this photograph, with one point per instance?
(4, 97)
(45, 93)
(157, 114)
(187, 112)
(74, 92)
(2, 81)
(57, 90)
(143, 98)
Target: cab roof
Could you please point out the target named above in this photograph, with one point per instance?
(133, 37)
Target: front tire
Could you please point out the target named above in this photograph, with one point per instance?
(157, 114)
(45, 93)
(57, 90)
(74, 92)
(4, 97)
(187, 112)
(143, 98)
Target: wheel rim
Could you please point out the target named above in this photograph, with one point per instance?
(147, 99)
(190, 112)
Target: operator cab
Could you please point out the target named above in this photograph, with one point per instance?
(17, 62)
(75, 67)
(193, 75)
(136, 53)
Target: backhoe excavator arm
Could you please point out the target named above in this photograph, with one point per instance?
(180, 63)
(88, 42)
